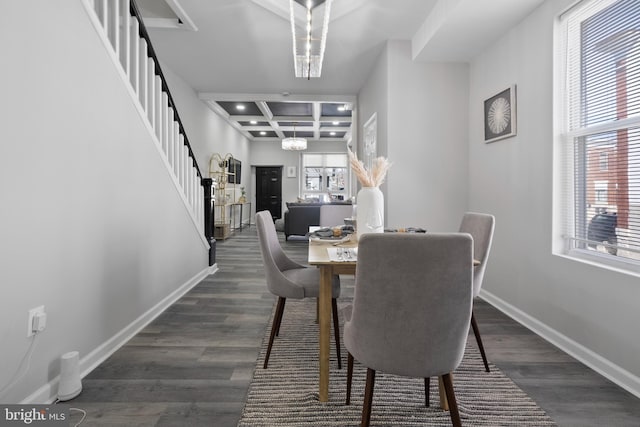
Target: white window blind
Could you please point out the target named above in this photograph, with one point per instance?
(601, 127)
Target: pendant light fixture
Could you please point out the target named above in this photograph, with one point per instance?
(294, 143)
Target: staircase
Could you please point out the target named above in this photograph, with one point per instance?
(120, 23)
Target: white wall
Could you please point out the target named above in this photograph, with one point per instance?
(422, 129)
(590, 311)
(427, 141)
(92, 225)
(373, 98)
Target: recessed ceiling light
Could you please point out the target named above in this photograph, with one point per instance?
(332, 133)
(254, 122)
(341, 108)
(262, 132)
(240, 107)
(336, 123)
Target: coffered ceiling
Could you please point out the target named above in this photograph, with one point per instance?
(271, 118)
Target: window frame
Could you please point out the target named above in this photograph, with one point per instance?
(323, 193)
(567, 170)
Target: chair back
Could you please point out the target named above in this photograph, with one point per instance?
(275, 260)
(332, 215)
(481, 227)
(412, 302)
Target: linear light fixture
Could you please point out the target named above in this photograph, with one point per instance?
(294, 143)
(308, 49)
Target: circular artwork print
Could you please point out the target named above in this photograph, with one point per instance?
(499, 115)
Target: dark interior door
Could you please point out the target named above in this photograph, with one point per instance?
(269, 190)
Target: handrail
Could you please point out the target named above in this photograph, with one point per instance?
(135, 12)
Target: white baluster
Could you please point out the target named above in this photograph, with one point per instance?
(196, 208)
(125, 53)
(194, 190)
(135, 55)
(115, 29)
(151, 106)
(176, 148)
(185, 169)
(190, 194)
(104, 16)
(200, 207)
(143, 85)
(165, 121)
(180, 162)
(187, 189)
(157, 86)
(170, 135)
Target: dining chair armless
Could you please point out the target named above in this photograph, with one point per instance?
(289, 279)
(411, 309)
(480, 226)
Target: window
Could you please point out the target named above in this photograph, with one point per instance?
(601, 188)
(324, 177)
(599, 154)
(604, 161)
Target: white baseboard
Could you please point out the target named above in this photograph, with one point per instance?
(604, 367)
(48, 392)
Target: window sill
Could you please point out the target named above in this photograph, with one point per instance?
(603, 260)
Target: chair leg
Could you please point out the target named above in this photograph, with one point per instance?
(427, 383)
(451, 398)
(280, 313)
(368, 398)
(476, 332)
(277, 317)
(336, 330)
(349, 377)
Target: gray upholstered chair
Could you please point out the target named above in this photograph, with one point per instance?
(411, 309)
(480, 226)
(332, 215)
(288, 279)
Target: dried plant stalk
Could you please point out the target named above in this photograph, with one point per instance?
(373, 178)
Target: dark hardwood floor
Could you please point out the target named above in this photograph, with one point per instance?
(192, 365)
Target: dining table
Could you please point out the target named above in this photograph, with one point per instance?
(319, 256)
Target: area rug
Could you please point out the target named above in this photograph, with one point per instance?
(286, 394)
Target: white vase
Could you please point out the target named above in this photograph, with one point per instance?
(370, 212)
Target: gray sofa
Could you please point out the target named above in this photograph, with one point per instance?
(300, 216)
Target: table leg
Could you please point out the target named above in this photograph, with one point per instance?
(324, 305)
(444, 404)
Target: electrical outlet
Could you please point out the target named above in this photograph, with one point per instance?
(36, 321)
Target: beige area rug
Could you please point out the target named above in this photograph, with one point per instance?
(286, 394)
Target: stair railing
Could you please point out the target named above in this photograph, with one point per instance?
(124, 28)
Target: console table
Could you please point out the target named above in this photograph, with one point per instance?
(241, 220)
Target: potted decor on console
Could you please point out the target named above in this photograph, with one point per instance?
(370, 209)
(243, 196)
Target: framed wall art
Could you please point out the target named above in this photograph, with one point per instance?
(291, 171)
(500, 115)
(234, 170)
